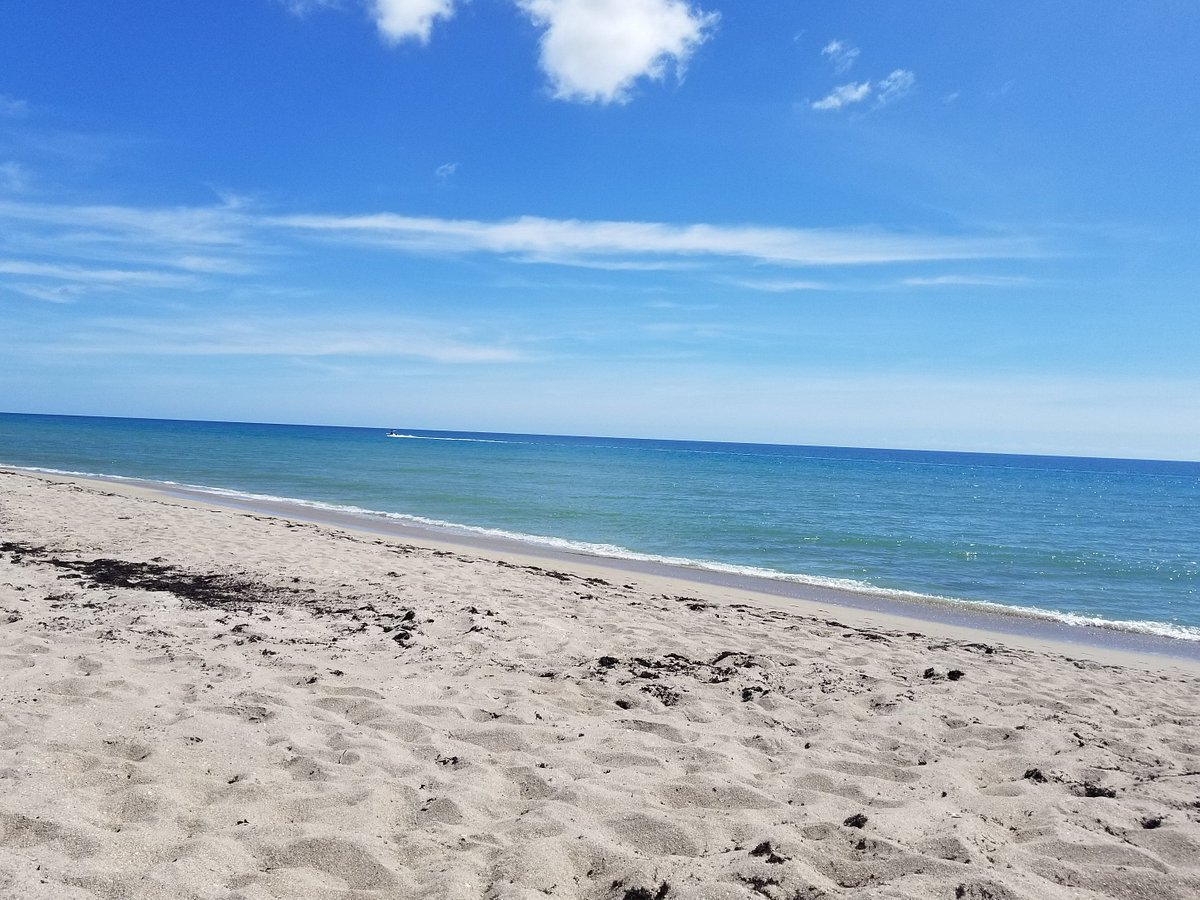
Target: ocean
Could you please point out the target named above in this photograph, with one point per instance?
(1107, 542)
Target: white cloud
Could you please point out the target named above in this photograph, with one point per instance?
(591, 50)
(1005, 89)
(102, 248)
(158, 226)
(11, 106)
(210, 240)
(896, 85)
(681, 307)
(304, 7)
(582, 261)
(58, 293)
(844, 95)
(783, 286)
(445, 170)
(567, 241)
(193, 248)
(85, 275)
(595, 50)
(967, 281)
(891, 88)
(399, 20)
(841, 55)
(210, 265)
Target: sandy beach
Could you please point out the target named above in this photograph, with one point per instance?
(206, 702)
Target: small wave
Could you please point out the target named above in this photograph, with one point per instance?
(105, 476)
(614, 551)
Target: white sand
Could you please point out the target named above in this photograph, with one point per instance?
(298, 734)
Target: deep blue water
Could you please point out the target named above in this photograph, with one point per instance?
(1116, 540)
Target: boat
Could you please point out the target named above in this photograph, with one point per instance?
(395, 434)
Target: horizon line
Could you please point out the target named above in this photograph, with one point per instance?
(1098, 458)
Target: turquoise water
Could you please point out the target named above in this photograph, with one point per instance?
(1116, 541)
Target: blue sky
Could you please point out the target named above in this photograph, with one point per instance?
(931, 225)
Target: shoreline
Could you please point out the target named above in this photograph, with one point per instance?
(1033, 629)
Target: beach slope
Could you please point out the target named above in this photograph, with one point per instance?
(208, 703)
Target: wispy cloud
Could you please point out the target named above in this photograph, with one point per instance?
(844, 95)
(681, 307)
(287, 335)
(14, 177)
(596, 50)
(689, 330)
(445, 171)
(61, 252)
(896, 85)
(566, 239)
(190, 241)
(12, 107)
(181, 226)
(783, 285)
(967, 281)
(841, 54)
(889, 89)
(195, 248)
(60, 272)
(211, 265)
(305, 7)
(581, 261)
(57, 293)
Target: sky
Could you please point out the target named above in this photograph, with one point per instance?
(969, 226)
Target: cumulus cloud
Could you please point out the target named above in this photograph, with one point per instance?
(401, 20)
(896, 85)
(844, 95)
(595, 50)
(840, 54)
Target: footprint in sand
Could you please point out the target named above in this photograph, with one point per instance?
(344, 861)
